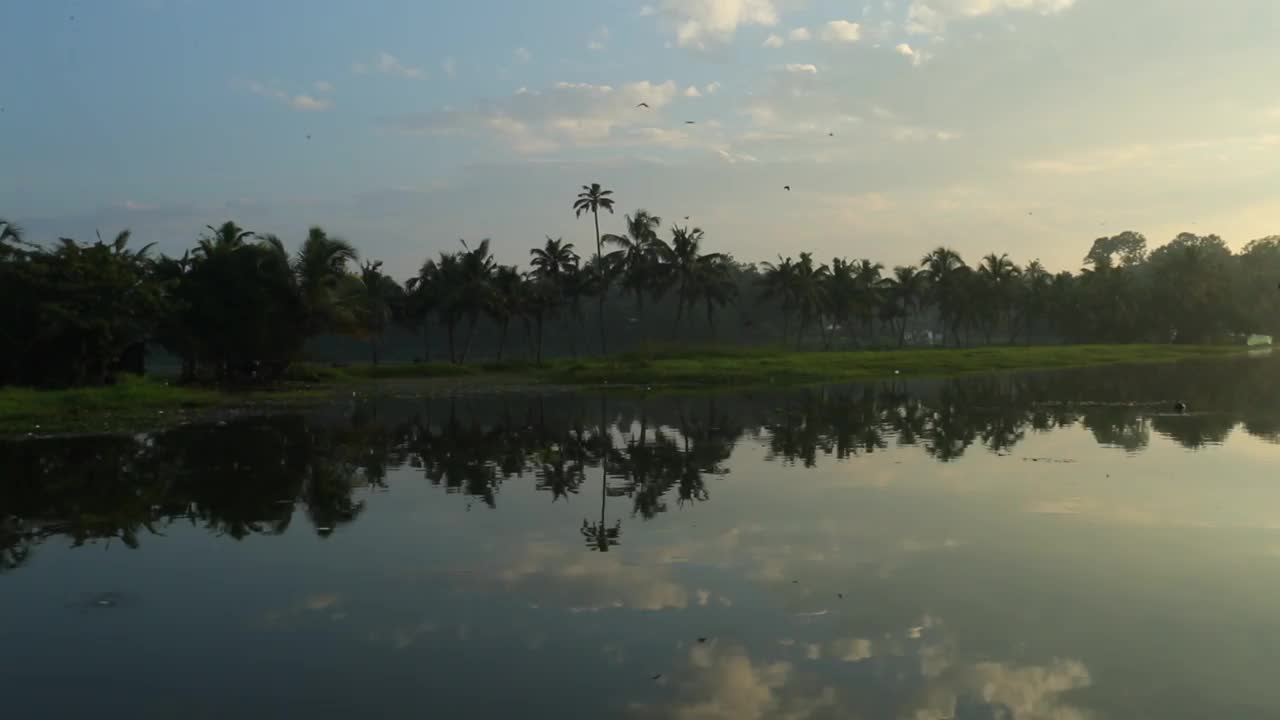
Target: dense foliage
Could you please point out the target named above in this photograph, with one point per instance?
(238, 307)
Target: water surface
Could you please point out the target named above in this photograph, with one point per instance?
(1032, 547)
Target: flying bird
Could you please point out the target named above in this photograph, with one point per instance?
(831, 134)
(643, 105)
(308, 137)
(689, 122)
(686, 217)
(787, 188)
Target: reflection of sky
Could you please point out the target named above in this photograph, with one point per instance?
(890, 585)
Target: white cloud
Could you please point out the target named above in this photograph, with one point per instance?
(711, 88)
(930, 17)
(599, 38)
(918, 56)
(450, 67)
(699, 23)
(841, 31)
(387, 64)
(808, 68)
(773, 41)
(800, 34)
(306, 103)
(522, 56)
(565, 115)
(322, 86)
(647, 10)
(692, 92)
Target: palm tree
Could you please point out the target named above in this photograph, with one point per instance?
(476, 268)
(227, 237)
(593, 199)
(684, 261)
(906, 290)
(1034, 295)
(321, 268)
(713, 283)
(810, 293)
(556, 266)
(943, 266)
(778, 283)
(421, 302)
(637, 258)
(998, 277)
(506, 302)
(378, 299)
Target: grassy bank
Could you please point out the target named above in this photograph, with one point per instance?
(131, 403)
(757, 367)
(140, 403)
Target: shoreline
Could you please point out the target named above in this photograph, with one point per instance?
(137, 404)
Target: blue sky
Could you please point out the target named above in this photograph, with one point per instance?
(1027, 126)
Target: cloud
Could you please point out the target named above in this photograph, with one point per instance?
(564, 115)
(930, 17)
(699, 23)
(305, 103)
(808, 68)
(522, 56)
(711, 88)
(387, 64)
(647, 10)
(450, 67)
(553, 575)
(841, 31)
(692, 92)
(599, 38)
(773, 41)
(322, 86)
(800, 34)
(918, 57)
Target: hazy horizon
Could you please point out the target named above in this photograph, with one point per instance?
(1020, 126)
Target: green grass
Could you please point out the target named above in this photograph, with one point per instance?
(721, 367)
(132, 402)
(137, 403)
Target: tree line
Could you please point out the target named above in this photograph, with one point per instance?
(238, 306)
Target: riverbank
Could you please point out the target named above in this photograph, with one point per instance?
(146, 403)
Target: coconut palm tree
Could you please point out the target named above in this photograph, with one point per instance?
(507, 301)
(227, 237)
(906, 290)
(420, 302)
(777, 283)
(637, 259)
(593, 199)
(943, 267)
(810, 293)
(999, 277)
(321, 268)
(377, 298)
(712, 283)
(1033, 296)
(684, 261)
(476, 268)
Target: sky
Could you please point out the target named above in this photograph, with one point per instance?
(1022, 126)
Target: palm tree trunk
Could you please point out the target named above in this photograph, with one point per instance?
(902, 331)
(451, 324)
(373, 350)
(426, 341)
(538, 344)
(502, 338)
(604, 281)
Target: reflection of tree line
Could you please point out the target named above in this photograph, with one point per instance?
(251, 476)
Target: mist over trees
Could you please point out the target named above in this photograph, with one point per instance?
(237, 306)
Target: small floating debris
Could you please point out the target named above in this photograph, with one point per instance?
(815, 613)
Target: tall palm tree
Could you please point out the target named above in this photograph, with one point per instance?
(1034, 293)
(943, 266)
(593, 199)
(476, 267)
(637, 258)
(811, 295)
(998, 277)
(377, 297)
(713, 284)
(684, 261)
(556, 266)
(507, 301)
(778, 283)
(227, 237)
(321, 268)
(421, 302)
(906, 291)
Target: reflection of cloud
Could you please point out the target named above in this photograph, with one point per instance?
(323, 605)
(850, 649)
(724, 684)
(583, 582)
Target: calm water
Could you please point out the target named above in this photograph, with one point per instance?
(1041, 547)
